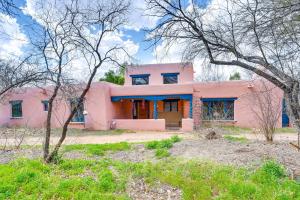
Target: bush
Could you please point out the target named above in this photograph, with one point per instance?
(272, 168)
(175, 139)
(161, 153)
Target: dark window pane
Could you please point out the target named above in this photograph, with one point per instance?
(218, 110)
(45, 105)
(140, 80)
(170, 79)
(16, 109)
(78, 116)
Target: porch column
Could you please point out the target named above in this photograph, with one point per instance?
(155, 109)
(191, 108)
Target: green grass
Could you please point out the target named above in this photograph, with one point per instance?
(236, 129)
(107, 179)
(98, 149)
(235, 139)
(286, 130)
(161, 147)
(162, 153)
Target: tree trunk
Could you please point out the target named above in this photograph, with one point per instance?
(48, 123)
(293, 106)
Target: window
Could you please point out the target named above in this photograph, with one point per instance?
(141, 79)
(218, 109)
(171, 105)
(16, 109)
(170, 78)
(78, 116)
(45, 105)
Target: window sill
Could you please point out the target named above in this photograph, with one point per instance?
(77, 122)
(16, 118)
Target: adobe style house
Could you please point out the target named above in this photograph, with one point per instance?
(154, 97)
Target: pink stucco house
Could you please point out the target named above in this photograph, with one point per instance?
(154, 97)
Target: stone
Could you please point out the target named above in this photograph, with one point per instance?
(212, 135)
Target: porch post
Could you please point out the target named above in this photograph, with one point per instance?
(155, 109)
(191, 108)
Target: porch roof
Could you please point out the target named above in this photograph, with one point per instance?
(145, 90)
(154, 97)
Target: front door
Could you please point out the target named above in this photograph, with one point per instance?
(141, 109)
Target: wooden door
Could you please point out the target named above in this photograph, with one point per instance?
(143, 109)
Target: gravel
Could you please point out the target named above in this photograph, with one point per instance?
(250, 154)
(139, 190)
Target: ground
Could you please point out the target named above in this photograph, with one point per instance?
(148, 165)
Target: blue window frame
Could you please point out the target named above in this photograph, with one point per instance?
(140, 79)
(218, 108)
(16, 109)
(170, 78)
(78, 116)
(45, 105)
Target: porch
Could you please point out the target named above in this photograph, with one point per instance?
(155, 112)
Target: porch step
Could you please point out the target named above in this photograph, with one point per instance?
(173, 128)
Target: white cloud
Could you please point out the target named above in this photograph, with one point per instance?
(12, 39)
(138, 17)
(79, 67)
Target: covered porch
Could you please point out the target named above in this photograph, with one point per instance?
(153, 112)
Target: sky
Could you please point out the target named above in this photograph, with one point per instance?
(15, 34)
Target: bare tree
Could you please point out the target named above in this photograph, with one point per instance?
(8, 7)
(15, 75)
(71, 35)
(266, 108)
(257, 35)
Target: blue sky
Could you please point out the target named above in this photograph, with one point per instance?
(132, 35)
(144, 54)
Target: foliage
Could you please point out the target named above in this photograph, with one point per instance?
(235, 76)
(98, 149)
(235, 139)
(161, 147)
(107, 179)
(116, 77)
(161, 153)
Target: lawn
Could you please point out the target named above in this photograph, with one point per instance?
(107, 179)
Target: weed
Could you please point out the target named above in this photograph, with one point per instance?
(235, 139)
(98, 149)
(161, 153)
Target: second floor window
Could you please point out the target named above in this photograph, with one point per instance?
(142, 79)
(16, 109)
(170, 78)
(78, 116)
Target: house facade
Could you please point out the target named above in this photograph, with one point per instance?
(154, 97)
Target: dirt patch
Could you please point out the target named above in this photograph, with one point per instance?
(138, 154)
(248, 154)
(30, 153)
(138, 190)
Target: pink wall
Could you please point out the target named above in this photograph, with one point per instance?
(97, 103)
(141, 124)
(101, 111)
(187, 125)
(186, 72)
(243, 114)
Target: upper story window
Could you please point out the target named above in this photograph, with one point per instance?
(16, 109)
(45, 105)
(140, 79)
(218, 108)
(170, 78)
(78, 116)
